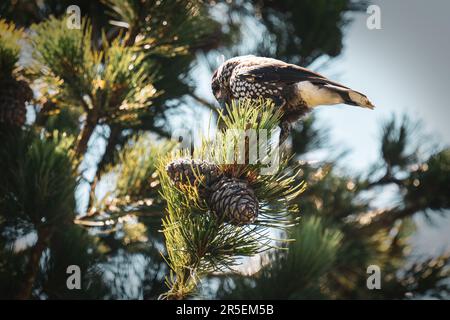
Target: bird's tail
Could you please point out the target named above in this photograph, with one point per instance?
(327, 92)
(351, 97)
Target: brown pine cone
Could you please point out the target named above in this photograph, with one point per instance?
(13, 96)
(188, 171)
(234, 200)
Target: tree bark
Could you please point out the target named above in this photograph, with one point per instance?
(32, 267)
(107, 155)
(85, 135)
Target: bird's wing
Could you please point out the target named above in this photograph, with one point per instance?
(279, 72)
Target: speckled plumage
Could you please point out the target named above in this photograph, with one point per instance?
(294, 89)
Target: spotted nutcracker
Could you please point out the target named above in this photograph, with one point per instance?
(294, 89)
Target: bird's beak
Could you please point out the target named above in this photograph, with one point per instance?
(222, 103)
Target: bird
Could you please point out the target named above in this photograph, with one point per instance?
(294, 89)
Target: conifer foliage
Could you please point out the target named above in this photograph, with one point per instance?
(90, 177)
(224, 209)
(14, 92)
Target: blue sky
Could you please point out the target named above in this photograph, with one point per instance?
(403, 68)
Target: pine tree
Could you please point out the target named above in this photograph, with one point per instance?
(106, 76)
(116, 83)
(14, 92)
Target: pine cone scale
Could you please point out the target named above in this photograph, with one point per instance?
(234, 200)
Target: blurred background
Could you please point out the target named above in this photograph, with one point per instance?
(107, 97)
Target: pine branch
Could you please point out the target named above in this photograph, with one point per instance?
(423, 279)
(136, 192)
(188, 27)
(204, 102)
(200, 236)
(113, 84)
(314, 252)
(376, 220)
(32, 267)
(9, 48)
(386, 179)
(85, 134)
(37, 188)
(113, 137)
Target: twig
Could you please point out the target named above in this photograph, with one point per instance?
(204, 102)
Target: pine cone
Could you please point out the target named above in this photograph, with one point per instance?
(229, 198)
(234, 200)
(13, 95)
(188, 171)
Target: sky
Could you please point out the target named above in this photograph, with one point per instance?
(403, 68)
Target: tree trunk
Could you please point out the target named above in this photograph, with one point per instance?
(32, 267)
(85, 135)
(107, 155)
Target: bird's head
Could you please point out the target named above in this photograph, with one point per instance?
(216, 85)
(220, 82)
